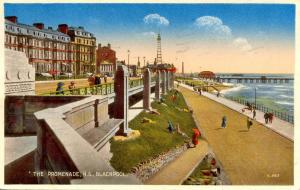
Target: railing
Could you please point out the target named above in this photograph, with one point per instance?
(153, 78)
(282, 115)
(135, 83)
(101, 89)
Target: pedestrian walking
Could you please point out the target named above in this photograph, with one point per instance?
(91, 80)
(224, 122)
(249, 123)
(271, 117)
(97, 80)
(266, 116)
(105, 78)
(254, 113)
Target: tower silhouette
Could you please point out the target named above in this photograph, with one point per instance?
(159, 54)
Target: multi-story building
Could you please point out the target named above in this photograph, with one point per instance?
(67, 49)
(83, 44)
(106, 60)
(47, 49)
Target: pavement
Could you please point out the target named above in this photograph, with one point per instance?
(279, 126)
(258, 156)
(180, 169)
(137, 108)
(17, 147)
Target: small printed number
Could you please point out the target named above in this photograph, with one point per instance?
(273, 175)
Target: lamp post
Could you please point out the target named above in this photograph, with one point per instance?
(128, 51)
(255, 97)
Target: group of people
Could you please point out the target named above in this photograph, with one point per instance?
(268, 117)
(224, 122)
(96, 79)
(60, 90)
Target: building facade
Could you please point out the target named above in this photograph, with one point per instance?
(46, 49)
(106, 60)
(83, 44)
(71, 50)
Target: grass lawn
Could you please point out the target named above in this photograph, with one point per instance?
(155, 138)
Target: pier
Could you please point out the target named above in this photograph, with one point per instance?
(262, 79)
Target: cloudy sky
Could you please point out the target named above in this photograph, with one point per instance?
(251, 38)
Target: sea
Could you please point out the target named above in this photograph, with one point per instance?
(277, 96)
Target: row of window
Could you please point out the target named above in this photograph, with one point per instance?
(84, 41)
(36, 33)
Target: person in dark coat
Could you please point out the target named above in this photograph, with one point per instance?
(224, 122)
(254, 113)
(59, 88)
(249, 123)
(97, 80)
(266, 116)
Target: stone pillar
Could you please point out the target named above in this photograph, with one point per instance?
(167, 81)
(147, 89)
(121, 105)
(172, 80)
(157, 86)
(164, 83)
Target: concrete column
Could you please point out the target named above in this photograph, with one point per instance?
(121, 105)
(157, 86)
(172, 80)
(167, 81)
(163, 86)
(147, 90)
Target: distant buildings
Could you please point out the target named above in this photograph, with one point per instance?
(48, 50)
(207, 75)
(106, 60)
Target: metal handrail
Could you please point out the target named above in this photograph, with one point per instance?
(282, 115)
(101, 89)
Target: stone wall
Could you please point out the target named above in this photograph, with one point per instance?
(19, 111)
(63, 150)
(19, 74)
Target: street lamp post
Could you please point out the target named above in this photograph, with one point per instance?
(128, 51)
(255, 97)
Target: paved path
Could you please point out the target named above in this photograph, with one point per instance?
(281, 127)
(179, 169)
(256, 157)
(17, 147)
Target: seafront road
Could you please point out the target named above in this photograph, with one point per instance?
(259, 156)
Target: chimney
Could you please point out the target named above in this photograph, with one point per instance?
(63, 28)
(39, 25)
(108, 45)
(50, 28)
(99, 46)
(13, 19)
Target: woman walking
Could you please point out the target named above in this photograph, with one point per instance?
(224, 122)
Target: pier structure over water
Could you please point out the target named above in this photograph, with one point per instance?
(261, 79)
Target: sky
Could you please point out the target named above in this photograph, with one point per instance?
(232, 38)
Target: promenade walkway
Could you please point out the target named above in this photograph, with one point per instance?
(255, 157)
(279, 126)
(179, 169)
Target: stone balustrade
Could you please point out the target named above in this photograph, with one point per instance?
(68, 137)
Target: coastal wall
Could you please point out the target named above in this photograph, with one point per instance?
(19, 118)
